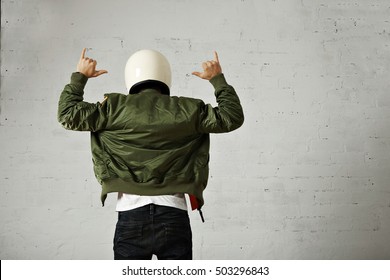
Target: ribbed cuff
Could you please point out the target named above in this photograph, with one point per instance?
(218, 81)
(78, 79)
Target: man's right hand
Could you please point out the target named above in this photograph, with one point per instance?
(211, 69)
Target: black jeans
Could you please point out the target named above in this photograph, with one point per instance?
(153, 229)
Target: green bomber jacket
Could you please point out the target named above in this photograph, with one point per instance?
(149, 143)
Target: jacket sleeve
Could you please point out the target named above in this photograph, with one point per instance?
(74, 113)
(228, 115)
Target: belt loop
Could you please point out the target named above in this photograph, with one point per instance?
(151, 211)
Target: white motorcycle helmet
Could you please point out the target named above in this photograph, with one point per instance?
(147, 68)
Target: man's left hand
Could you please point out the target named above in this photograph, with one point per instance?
(87, 66)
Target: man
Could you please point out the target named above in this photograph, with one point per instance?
(151, 149)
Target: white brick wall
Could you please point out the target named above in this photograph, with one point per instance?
(306, 177)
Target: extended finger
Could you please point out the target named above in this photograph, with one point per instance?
(83, 53)
(216, 57)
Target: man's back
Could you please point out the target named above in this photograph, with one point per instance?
(152, 141)
(148, 143)
(151, 149)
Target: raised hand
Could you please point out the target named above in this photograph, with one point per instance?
(211, 68)
(87, 66)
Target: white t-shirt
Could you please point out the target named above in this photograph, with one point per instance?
(127, 202)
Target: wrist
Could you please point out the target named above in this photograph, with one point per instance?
(79, 79)
(218, 80)
(82, 73)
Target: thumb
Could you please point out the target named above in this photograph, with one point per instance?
(100, 72)
(198, 74)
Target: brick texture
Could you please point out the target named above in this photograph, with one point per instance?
(306, 177)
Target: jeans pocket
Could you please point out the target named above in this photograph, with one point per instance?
(177, 233)
(128, 239)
